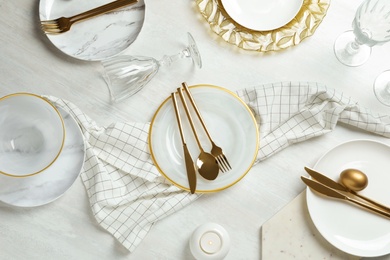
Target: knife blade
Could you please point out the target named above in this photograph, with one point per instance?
(321, 188)
(335, 185)
(189, 163)
(325, 180)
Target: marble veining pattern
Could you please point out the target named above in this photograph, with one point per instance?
(50, 184)
(98, 38)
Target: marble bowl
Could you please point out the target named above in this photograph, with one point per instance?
(32, 134)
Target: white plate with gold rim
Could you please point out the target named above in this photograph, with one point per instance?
(98, 38)
(231, 124)
(262, 15)
(347, 227)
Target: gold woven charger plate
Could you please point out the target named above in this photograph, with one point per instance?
(302, 26)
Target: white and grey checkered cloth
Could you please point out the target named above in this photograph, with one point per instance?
(128, 195)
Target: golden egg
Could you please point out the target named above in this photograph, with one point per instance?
(353, 179)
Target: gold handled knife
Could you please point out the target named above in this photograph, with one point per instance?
(320, 188)
(190, 167)
(337, 186)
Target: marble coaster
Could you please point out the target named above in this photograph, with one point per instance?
(291, 234)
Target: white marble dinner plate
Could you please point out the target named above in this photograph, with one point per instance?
(97, 38)
(346, 226)
(231, 124)
(262, 15)
(53, 182)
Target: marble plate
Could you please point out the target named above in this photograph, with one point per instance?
(231, 124)
(262, 15)
(98, 38)
(347, 227)
(52, 183)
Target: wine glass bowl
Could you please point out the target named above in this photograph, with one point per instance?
(382, 87)
(371, 26)
(372, 22)
(125, 75)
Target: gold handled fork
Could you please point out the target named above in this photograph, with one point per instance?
(215, 150)
(63, 24)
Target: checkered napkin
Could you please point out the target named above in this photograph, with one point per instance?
(128, 195)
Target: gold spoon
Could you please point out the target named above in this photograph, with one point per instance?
(355, 180)
(206, 163)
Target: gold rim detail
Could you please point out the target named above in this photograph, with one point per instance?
(63, 130)
(187, 188)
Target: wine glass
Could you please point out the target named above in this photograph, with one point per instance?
(382, 87)
(126, 75)
(371, 26)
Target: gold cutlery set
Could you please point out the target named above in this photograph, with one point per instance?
(63, 24)
(328, 187)
(207, 164)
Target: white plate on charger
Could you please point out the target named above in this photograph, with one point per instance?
(262, 15)
(52, 183)
(231, 124)
(98, 38)
(347, 227)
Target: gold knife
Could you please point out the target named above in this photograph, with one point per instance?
(318, 187)
(335, 185)
(190, 166)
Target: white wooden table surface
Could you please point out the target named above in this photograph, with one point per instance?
(66, 229)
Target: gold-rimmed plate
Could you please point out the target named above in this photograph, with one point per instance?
(303, 25)
(231, 125)
(53, 182)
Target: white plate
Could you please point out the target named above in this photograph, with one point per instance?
(231, 124)
(262, 15)
(347, 227)
(53, 182)
(98, 38)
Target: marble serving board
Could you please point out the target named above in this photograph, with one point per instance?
(291, 234)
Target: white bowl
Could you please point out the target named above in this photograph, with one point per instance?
(32, 134)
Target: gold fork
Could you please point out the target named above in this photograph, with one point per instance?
(63, 24)
(215, 150)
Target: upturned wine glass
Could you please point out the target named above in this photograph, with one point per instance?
(125, 75)
(371, 26)
(382, 87)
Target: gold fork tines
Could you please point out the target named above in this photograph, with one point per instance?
(63, 24)
(216, 151)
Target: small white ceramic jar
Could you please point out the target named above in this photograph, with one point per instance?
(209, 241)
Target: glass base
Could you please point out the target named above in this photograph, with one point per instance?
(194, 51)
(382, 88)
(349, 52)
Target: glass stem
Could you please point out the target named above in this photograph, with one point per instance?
(352, 47)
(169, 59)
